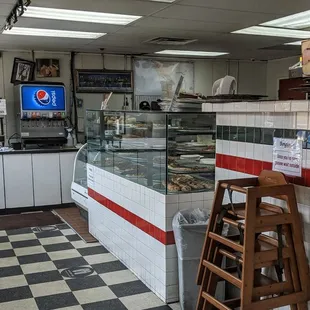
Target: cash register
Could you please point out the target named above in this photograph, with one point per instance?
(41, 113)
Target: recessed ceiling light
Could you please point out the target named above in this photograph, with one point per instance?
(190, 53)
(53, 33)
(294, 43)
(80, 16)
(295, 21)
(274, 32)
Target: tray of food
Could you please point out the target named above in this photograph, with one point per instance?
(188, 183)
(179, 166)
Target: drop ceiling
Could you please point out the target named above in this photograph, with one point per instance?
(209, 21)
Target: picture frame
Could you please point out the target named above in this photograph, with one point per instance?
(104, 81)
(47, 67)
(22, 71)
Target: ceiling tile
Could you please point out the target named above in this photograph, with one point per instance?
(193, 25)
(214, 15)
(262, 6)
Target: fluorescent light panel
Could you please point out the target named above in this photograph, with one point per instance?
(294, 43)
(274, 32)
(190, 53)
(295, 21)
(80, 16)
(168, 1)
(53, 33)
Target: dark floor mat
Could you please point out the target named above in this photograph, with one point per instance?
(73, 218)
(16, 221)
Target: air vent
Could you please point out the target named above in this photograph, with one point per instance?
(170, 41)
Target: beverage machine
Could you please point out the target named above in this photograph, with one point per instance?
(41, 113)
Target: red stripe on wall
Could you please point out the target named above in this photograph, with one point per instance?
(254, 167)
(167, 238)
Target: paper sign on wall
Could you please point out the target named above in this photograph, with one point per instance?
(2, 107)
(287, 156)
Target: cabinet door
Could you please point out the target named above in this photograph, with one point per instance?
(66, 175)
(18, 180)
(2, 199)
(46, 179)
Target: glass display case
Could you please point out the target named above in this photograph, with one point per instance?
(79, 191)
(167, 152)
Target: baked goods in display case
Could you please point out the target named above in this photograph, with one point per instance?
(167, 152)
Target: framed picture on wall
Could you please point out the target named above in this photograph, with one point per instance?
(46, 67)
(104, 81)
(22, 71)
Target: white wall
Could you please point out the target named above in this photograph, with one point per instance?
(276, 70)
(208, 71)
(251, 77)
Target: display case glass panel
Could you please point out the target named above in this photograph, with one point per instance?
(167, 152)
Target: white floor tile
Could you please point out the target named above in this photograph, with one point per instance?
(23, 304)
(8, 262)
(100, 258)
(94, 295)
(3, 233)
(22, 237)
(82, 244)
(49, 288)
(64, 254)
(5, 246)
(29, 250)
(175, 306)
(14, 281)
(38, 267)
(118, 277)
(141, 301)
(53, 240)
(67, 232)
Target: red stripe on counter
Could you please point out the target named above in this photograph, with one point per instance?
(254, 167)
(166, 238)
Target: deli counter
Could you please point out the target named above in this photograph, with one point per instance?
(143, 167)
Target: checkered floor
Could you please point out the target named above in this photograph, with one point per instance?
(52, 268)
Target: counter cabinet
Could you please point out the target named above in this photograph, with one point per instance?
(35, 179)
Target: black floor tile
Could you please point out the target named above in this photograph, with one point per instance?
(49, 234)
(70, 262)
(93, 250)
(63, 226)
(19, 231)
(113, 304)
(7, 253)
(109, 267)
(4, 239)
(43, 277)
(23, 244)
(85, 283)
(129, 288)
(15, 293)
(10, 271)
(73, 238)
(35, 258)
(56, 301)
(58, 247)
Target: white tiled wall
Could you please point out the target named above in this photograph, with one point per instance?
(153, 262)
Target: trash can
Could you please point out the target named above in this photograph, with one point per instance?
(189, 227)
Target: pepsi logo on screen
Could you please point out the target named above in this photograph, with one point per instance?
(43, 98)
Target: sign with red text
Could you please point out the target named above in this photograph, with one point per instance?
(287, 156)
